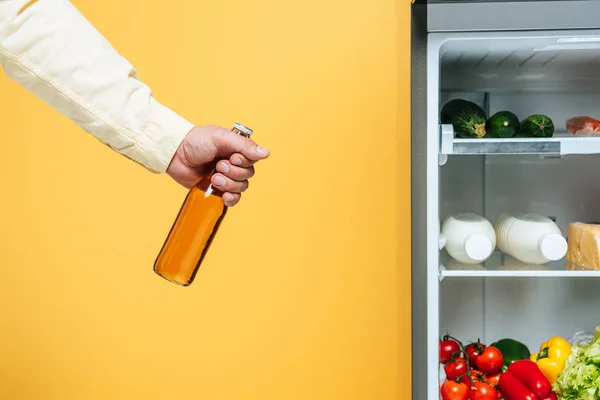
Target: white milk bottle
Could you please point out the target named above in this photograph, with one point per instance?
(470, 238)
(530, 238)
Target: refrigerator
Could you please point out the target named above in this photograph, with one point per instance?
(528, 57)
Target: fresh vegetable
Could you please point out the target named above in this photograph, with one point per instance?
(448, 347)
(467, 118)
(552, 356)
(537, 125)
(455, 368)
(482, 391)
(580, 379)
(512, 351)
(490, 361)
(454, 391)
(503, 124)
(493, 380)
(523, 380)
(474, 350)
(472, 376)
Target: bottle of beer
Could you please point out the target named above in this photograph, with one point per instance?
(194, 229)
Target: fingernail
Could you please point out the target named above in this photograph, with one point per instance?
(223, 167)
(237, 161)
(262, 150)
(219, 180)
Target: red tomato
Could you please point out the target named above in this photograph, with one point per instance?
(490, 361)
(454, 391)
(482, 391)
(473, 351)
(475, 376)
(493, 380)
(455, 369)
(447, 349)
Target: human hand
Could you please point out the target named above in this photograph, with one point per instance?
(203, 145)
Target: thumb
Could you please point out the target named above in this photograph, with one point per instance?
(228, 143)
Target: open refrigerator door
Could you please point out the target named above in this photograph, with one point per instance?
(506, 200)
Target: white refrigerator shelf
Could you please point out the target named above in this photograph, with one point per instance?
(554, 270)
(562, 143)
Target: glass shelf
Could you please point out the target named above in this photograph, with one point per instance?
(562, 143)
(501, 265)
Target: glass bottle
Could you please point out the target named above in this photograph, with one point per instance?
(194, 229)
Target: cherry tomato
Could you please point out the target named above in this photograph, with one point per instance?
(473, 351)
(490, 361)
(454, 391)
(482, 391)
(455, 369)
(447, 349)
(493, 381)
(475, 376)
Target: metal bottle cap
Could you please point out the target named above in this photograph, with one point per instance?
(242, 129)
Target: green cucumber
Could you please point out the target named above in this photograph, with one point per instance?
(467, 118)
(503, 124)
(537, 125)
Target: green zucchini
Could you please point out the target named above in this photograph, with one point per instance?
(537, 125)
(467, 118)
(503, 124)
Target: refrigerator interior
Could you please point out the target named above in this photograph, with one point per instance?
(552, 73)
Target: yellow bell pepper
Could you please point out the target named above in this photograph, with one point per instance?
(551, 358)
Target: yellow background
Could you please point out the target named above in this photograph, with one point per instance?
(306, 291)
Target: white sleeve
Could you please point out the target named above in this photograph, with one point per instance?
(49, 48)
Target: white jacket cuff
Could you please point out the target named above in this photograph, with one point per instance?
(160, 139)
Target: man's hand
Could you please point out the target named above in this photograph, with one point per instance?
(196, 156)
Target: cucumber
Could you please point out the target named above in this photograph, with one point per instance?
(503, 124)
(537, 125)
(467, 118)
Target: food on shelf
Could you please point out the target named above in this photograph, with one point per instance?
(467, 118)
(583, 126)
(530, 238)
(537, 125)
(584, 246)
(551, 357)
(580, 379)
(571, 266)
(482, 391)
(455, 391)
(448, 348)
(581, 337)
(456, 368)
(524, 380)
(501, 370)
(503, 124)
(512, 350)
(470, 238)
(475, 367)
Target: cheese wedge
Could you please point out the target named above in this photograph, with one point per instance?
(584, 245)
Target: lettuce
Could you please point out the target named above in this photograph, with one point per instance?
(580, 379)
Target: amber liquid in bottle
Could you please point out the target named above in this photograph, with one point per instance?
(194, 230)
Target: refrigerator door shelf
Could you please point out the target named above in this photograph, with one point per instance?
(562, 143)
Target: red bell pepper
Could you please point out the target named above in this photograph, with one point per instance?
(525, 381)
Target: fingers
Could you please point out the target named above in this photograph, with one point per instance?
(225, 184)
(228, 143)
(234, 172)
(231, 199)
(241, 161)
